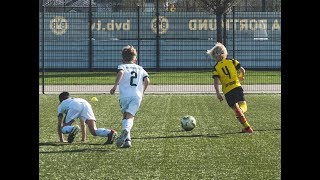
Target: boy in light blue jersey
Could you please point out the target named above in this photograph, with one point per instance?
(71, 108)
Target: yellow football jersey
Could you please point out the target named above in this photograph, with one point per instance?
(226, 70)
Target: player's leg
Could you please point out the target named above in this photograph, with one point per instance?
(243, 106)
(127, 124)
(101, 132)
(233, 97)
(88, 115)
(70, 129)
(242, 119)
(124, 105)
(129, 107)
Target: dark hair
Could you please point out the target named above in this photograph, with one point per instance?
(64, 95)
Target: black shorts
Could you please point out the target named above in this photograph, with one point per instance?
(234, 96)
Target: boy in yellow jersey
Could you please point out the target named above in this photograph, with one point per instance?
(229, 72)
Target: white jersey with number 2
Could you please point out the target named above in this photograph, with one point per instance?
(131, 83)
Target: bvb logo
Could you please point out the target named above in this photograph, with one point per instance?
(163, 25)
(58, 25)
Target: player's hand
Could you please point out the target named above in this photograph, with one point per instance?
(219, 96)
(241, 78)
(112, 91)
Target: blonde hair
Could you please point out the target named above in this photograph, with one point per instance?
(129, 53)
(218, 52)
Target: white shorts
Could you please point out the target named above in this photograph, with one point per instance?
(81, 110)
(130, 105)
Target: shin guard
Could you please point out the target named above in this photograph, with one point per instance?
(240, 116)
(243, 106)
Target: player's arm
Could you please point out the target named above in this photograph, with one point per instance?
(119, 77)
(59, 127)
(83, 131)
(242, 72)
(216, 87)
(146, 82)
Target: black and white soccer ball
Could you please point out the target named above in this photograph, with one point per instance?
(188, 122)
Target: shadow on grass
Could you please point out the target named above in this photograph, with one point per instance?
(179, 136)
(217, 135)
(75, 151)
(66, 144)
(261, 130)
(52, 144)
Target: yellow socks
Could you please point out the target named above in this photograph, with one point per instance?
(240, 116)
(243, 106)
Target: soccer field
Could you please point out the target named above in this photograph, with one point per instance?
(215, 149)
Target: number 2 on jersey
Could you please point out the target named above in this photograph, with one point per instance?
(133, 76)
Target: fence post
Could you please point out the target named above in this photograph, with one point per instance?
(138, 34)
(224, 29)
(42, 54)
(263, 5)
(157, 38)
(233, 33)
(90, 38)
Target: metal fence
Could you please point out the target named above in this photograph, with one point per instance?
(90, 40)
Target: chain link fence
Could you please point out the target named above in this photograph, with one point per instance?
(81, 42)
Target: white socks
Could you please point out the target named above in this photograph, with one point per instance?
(127, 124)
(102, 132)
(67, 129)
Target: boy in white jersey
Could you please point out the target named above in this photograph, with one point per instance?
(133, 80)
(74, 108)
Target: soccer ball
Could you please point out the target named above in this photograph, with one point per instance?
(188, 122)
